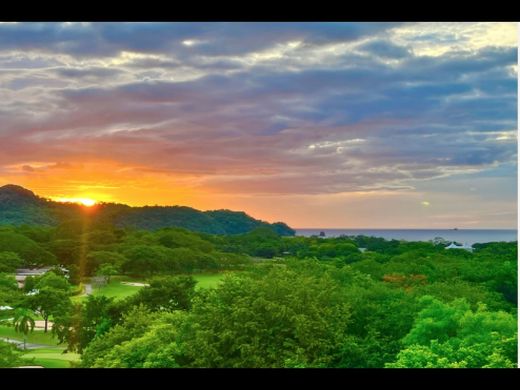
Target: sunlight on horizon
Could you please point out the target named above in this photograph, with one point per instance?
(88, 202)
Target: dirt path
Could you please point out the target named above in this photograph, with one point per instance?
(135, 284)
(19, 344)
(40, 324)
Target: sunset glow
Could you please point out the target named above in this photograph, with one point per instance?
(82, 201)
(313, 124)
(259, 195)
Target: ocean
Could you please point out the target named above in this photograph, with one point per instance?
(463, 236)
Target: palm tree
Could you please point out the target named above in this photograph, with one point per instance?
(23, 322)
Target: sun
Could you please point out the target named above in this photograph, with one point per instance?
(87, 202)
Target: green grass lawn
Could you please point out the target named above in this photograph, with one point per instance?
(117, 290)
(208, 280)
(114, 289)
(50, 357)
(36, 337)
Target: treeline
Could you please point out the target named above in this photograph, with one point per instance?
(308, 313)
(291, 302)
(19, 206)
(295, 313)
(83, 249)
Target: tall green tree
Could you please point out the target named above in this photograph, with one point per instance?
(51, 297)
(9, 261)
(79, 325)
(454, 335)
(166, 293)
(269, 320)
(23, 322)
(106, 271)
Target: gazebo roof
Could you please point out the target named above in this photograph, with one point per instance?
(452, 245)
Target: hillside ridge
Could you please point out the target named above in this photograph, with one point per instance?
(19, 206)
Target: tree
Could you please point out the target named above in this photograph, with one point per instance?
(135, 323)
(181, 238)
(52, 296)
(29, 283)
(453, 335)
(7, 282)
(156, 347)
(10, 294)
(166, 293)
(380, 317)
(107, 270)
(9, 355)
(49, 301)
(273, 317)
(143, 259)
(67, 251)
(74, 274)
(266, 319)
(83, 322)
(52, 280)
(28, 250)
(95, 259)
(23, 322)
(9, 261)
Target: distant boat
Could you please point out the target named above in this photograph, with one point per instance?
(455, 228)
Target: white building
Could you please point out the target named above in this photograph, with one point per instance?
(465, 247)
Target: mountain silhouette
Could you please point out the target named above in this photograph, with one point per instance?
(19, 206)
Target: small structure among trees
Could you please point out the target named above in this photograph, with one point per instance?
(465, 247)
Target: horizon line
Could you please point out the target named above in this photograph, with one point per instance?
(408, 228)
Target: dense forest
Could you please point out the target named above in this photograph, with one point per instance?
(19, 206)
(282, 302)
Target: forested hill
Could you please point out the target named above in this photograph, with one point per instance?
(21, 206)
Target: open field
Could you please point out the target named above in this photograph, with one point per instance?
(35, 337)
(116, 289)
(52, 357)
(208, 280)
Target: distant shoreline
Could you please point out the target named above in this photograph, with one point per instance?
(465, 236)
(397, 229)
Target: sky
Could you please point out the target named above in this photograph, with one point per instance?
(319, 125)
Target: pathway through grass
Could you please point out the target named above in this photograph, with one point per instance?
(50, 355)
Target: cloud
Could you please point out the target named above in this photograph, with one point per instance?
(386, 49)
(104, 39)
(240, 109)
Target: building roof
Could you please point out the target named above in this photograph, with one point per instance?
(465, 246)
(452, 246)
